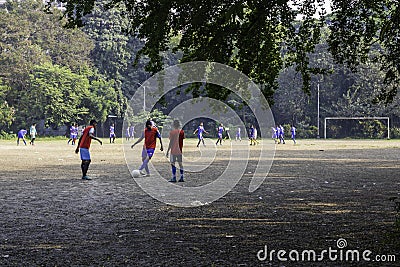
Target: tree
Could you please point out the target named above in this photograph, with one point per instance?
(359, 27)
(58, 96)
(261, 37)
(7, 113)
(155, 115)
(250, 36)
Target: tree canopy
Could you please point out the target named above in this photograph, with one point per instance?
(261, 37)
(46, 71)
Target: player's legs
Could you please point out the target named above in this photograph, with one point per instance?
(147, 154)
(33, 141)
(179, 159)
(198, 143)
(85, 157)
(173, 168)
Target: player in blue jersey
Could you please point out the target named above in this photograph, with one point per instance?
(21, 135)
(253, 135)
(274, 134)
(112, 133)
(293, 131)
(220, 131)
(238, 134)
(127, 134)
(73, 133)
(281, 134)
(200, 130)
(132, 131)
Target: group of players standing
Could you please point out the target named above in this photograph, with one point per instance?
(278, 134)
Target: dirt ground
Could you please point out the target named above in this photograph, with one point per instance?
(316, 193)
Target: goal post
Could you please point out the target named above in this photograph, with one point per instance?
(358, 118)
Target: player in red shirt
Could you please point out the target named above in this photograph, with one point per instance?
(150, 135)
(176, 137)
(84, 145)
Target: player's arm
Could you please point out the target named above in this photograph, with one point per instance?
(195, 131)
(95, 138)
(169, 148)
(137, 141)
(159, 137)
(162, 147)
(77, 147)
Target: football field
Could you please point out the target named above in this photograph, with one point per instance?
(316, 193)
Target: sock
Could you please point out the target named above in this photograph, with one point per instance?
(85, 167)
(173, 170)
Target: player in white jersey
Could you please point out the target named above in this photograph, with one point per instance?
(200, 130)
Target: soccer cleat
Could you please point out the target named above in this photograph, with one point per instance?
(173, 180)
(86, 178)
(181, 180)
(143, 173)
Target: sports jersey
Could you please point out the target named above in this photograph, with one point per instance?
(32, 131)
(220, 131)
(132, 131)
(274, 132)
(293, 130)
(22, 133)
(86, 140)
(73, 131)
(200, 131)
(112, 131)
(150, 137)
(176, 138)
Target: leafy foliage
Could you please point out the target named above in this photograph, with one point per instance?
(251, 36)
(46, 70)
(59, 96)
(159, 118)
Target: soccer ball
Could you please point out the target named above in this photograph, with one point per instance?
(135, 173)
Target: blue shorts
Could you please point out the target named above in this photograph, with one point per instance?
(149, 152)
(85, 154)
(220, 136)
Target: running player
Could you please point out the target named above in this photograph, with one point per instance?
(21, 135)
(150, 135)
(176, 137)
(112, 133)
(220, 131)
(84, 145)
(200, 130)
